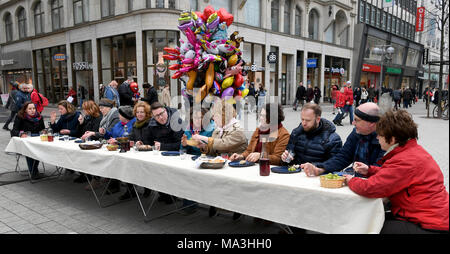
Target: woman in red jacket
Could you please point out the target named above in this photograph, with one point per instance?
(339, 105)
(409, 177)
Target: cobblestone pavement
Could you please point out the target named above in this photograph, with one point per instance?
(60, 206)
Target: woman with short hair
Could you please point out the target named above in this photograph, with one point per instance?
(68, 121)
(110, 118)
(409, 177)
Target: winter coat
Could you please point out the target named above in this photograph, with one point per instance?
(204, 132)
(39, 100)
(407, 95)
(90, 123)
(318, 145)
(364, 95)
(397, 95)
(139, 133)
(340, 100)
(301, 93)
(231, 140)
(69, 122)
(118, 130)
(126, 95)
(170, 140)
(23, 124)
(351, 152)
(414, 184)
(348, 96)
(372, 92)
(11, 103)
(309, 94)
(152, 96)
(21, 98)
(274, 148)
(112, 94)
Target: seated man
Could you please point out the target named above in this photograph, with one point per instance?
(315, 140)
(161, 134)
(362, 144)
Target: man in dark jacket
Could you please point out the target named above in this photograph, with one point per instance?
(152, 94)
(315, 140)
(361, 145)
(300, 95)
(407, 97)
(125, 93)
(11, 105)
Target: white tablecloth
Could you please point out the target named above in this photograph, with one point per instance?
(291, 199)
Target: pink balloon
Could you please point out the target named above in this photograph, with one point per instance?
(228, 92)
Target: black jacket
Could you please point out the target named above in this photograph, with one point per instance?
(301, 93)
(140, 134)
(152, 96)
(23, 124)
(315, 146)
(89, 124)
(170, 140)
(126, 95)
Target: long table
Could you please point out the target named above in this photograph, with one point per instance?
(290, 199)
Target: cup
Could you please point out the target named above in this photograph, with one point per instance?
(155, 149)
(183, 154)
(28, 134)
(66, 138)
(290, 156)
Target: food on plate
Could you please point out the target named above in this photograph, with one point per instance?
(191, 142)
(144, 148)
(242, 162)
(112, 147)
(218, 160)
(293, 168)
(331, 176)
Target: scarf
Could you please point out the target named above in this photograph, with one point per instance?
(140, 124)
(258, 148)
(106, 120)
(231, 123)
(35, 119)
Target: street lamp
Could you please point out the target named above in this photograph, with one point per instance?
(386, 52)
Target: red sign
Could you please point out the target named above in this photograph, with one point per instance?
(420, 17)
(371, 68)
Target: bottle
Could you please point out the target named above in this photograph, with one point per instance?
(124, 143)
(50, 136)
(264, 165)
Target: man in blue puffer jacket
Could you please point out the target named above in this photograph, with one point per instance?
(315, 140)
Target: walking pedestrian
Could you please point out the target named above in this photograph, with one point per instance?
(300, 95)
(309, 94)
(334, 91)
(11, 105)
(317, 95)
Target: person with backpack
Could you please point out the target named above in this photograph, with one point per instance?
(11, 105)
(397, 98)
(39, 100)
(125, 93)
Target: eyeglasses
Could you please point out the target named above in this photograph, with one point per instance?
(160, 114)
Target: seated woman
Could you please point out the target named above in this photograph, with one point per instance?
(88, 121)
(196, 127)
(68, 121)
(277, 139)
(228, 137)
(109, 120)
(409, 177)
(143, 115)
(28, 120)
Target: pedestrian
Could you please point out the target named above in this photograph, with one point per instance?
(309, 94)
(372, 93)
(299, 95)
(125, 93)
(252, 97)
(334, 91)
(317, 95)
(348, 108)
(339, 105)
(261, 97)
(165, 97)
(71, 96)
(407, 96)
(112, 93)
(39, 100)
(151, 95)
(397, 94)
(81, 95)
(364, 95)
(11, 105)
(357, 96)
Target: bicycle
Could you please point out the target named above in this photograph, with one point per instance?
(444, 108)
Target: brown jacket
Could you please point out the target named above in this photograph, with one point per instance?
(273, 148)
(233, 140)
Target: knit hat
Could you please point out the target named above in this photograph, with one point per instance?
(126, 111)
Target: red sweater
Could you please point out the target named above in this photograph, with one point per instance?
(414, 184)
(340, 100)
(348, 95)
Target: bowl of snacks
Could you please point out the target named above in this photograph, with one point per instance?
(112, 147)
(331, 181)
(216, 163)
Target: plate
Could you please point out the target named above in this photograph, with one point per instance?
(70, 138)
(90, 146)
(340, 173)
(237, 164)
(209, 165)
(79, 141)
(170, 153)
(284, 170)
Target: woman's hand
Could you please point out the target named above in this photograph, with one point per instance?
(361, 168)
(102, 131)
(87, 134)
(347, 178)
(253, 157)
(81, 119)
(65, 132)
(53, 117)
(112, 141)
(139, 143)
(184, 140)
(236, 157)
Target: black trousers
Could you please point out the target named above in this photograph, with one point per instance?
(396, 226)
(10, 118)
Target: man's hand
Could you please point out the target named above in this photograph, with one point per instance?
(236, 157)
(311, 170)
(64, 132)
(361, 168)
(253, 157)
(184, 140)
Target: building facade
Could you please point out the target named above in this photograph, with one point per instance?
(66, 44)
(382, 24)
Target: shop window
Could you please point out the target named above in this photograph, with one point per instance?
(38, 18)
(22, 22)
(383, 21)
(298, 21)
(252, 10)
(82, 72)
(80, 11)
(313, 25)
(275, 13)
(57, 14)
(8, 26)
(108, 8)
(287, 16)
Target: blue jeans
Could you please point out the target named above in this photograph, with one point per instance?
(32, 165)
(349, 109)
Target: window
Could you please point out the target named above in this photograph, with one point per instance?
(275, 12)
(361, 11)
(329, 33)
(313, 25)
(252, 10)
(372, 16)
(22, 23)
(130, 5)
(159, 3)
(8, 26)
(108, 7)
(172, 4)
(378, 18)
(287, 16)
(389, 22)
(38, 18)
(383, 21)
(194, 5)
(57, 14)
(367, 14)
(298, 21)
(226, 4)
(149, 3)
(80, 11)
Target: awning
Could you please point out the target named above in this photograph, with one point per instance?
(16, 60)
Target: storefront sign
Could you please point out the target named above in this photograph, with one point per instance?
(6, 62)
(253, 68)
(272, 57)
(82, 66)
(371, 68)
(420, 17)
(335, 70)
(60, 57)
(311, 63)
(393, 70)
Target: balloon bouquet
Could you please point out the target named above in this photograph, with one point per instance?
(209, 60)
